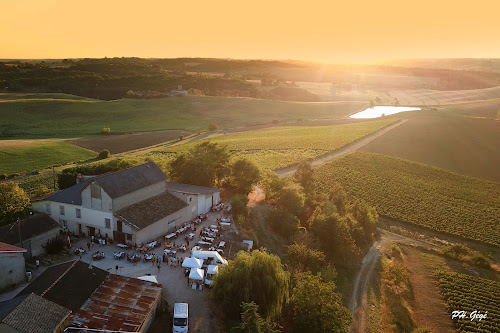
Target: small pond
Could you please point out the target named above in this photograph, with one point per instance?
(379, 111)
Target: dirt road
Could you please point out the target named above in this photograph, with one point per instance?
(288, 171)
(358, 301)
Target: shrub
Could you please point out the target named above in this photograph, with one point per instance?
(181, 138)
(275, 121)
(104, 154)
(106, 130)
(3, 176)
(213, 127)
(239, 205)
(55, 245)
(284, 222)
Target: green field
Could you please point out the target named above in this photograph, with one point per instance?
(419, 194)
(278, 147)
(59, 115)
(469, 293)
(25, 155)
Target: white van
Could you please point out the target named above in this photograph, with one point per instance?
(211, 272)
(180, 318)
(214, 256)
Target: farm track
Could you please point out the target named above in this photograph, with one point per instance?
(349, 148)
(358, 301)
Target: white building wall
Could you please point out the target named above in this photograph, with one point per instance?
(191, 200)
(162, 227)
(38, 242)
(104, 204)
(202, 204)
(139, 195)
(13, 269)
(216, 197)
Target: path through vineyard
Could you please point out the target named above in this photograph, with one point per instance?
(349, 148)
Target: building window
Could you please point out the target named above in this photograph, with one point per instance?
(64, 223)
(78, 213)
(129, 237)
(47, 208)
(190, 199)
(95, 191)
(108, 223)
(61, 210)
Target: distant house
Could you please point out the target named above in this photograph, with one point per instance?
(35, 232)
(98, 300)
(12, 265)
(178, 92)
(32, 314)
(135, 205)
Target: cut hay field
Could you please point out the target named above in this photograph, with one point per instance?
(470, 146)
(53, 115)
(419, 194)
(24, 155)
(277, 147)
(126, 142)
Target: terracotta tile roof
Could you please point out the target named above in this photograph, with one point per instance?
(4, 247)
(147, 212)
(119, 304)
(36, 315)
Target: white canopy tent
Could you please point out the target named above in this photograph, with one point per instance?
(192, 263)
(196, 274)
(212, 269)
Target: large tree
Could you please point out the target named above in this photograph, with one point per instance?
(305, 175)
(252, 277)
(284, 222)
(207, 164)
(244, 174)
(252, 322)
(292, 198)
(318, 307)
(13, 202)
(302, 258)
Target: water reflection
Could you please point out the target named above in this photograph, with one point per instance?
(379, 111)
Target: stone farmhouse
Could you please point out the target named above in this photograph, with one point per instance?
(135, 205)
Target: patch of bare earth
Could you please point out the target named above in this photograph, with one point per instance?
(429, 309)
(126, 142)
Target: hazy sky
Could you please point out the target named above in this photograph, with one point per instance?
(311, 30)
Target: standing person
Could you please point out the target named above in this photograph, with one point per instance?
(158, 266)
(37, 263)
(88, 246)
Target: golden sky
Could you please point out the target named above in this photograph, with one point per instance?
(327, 31)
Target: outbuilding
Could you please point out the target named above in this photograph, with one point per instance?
(12, 265)
(31, 234)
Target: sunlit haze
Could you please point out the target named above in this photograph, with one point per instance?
(328, 31)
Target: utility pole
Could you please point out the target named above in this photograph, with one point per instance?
(54, 178)
(19, 230)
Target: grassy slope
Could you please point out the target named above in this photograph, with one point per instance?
(53, 115)
(483, 109)
(419, 194)
(39, 154)
(459, 144)
(278, 147)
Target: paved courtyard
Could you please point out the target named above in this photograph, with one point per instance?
(175, 285)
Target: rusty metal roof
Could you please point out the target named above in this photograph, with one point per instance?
(119, 304)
